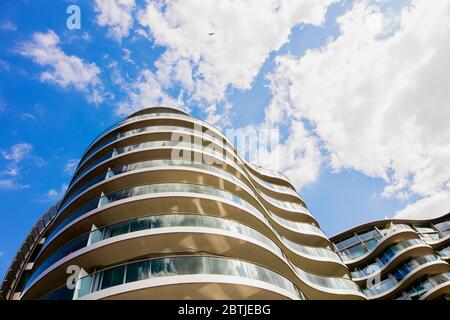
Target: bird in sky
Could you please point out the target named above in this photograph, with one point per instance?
(211, 33)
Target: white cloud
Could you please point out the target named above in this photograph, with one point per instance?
(28, 116)
(8, 26)
(429, 207)
(11, 171)
(4, 65)
(11, 184)
(218, 118)
(71, 166)
(55, 195)
(206, 54)
(298, 156)
(67, 71)
(116, 15)
(127, 56)
(378, 97)
(145, 92)
(17, 152)
(244, 34)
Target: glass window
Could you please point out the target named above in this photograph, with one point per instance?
(369, 235)
(157, 222)
(355, 251)
(162, 267)
(84, 286)
(189, 265)
(407, 268)
(369, 269)
(430, 236)
(384, 230)
(445, 233)
(390, 252)
(398, 275)
(113, 277)
(379, 263)
(384, 258)
(383, 285)
(441, 278)
(266, 275)
(140, 224)
(371, 243)
(138, 271)
(424, 229)
(118, 229)
(442, 226)
(97, 235)
(403, 271)
(220, 266)
(347, 243)
(444, 252)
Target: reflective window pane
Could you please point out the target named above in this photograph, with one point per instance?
(356, 251)
(138, 271)
(140, 224)
(347, 243)
(113, 277)
(162, 267)
(371, 243)
(424, 229)
(369, 235)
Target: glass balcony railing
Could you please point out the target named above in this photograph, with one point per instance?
(164, 162)
(287, 205)
(444, 252)
(154, 129)
(151, 189)
(129, 120)
(187, 118)
(152, 222)
(358, 245)
(421, 287)
(434, 237)
(267, 171)
(146, 269)
(398, 275)
(333, 283)
(304, 228)
(221, 156)
(145, 145)
(384, 258)
(173, 266)
(215, 135)
(313, 251)
(165, 221)
(152, 164)
(275, 187)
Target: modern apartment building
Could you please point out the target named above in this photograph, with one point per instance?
(399, 259)
(162, 206)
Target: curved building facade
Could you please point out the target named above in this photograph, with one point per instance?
(162, 206)
(399, 259)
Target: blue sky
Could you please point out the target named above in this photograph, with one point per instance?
(330, 74)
